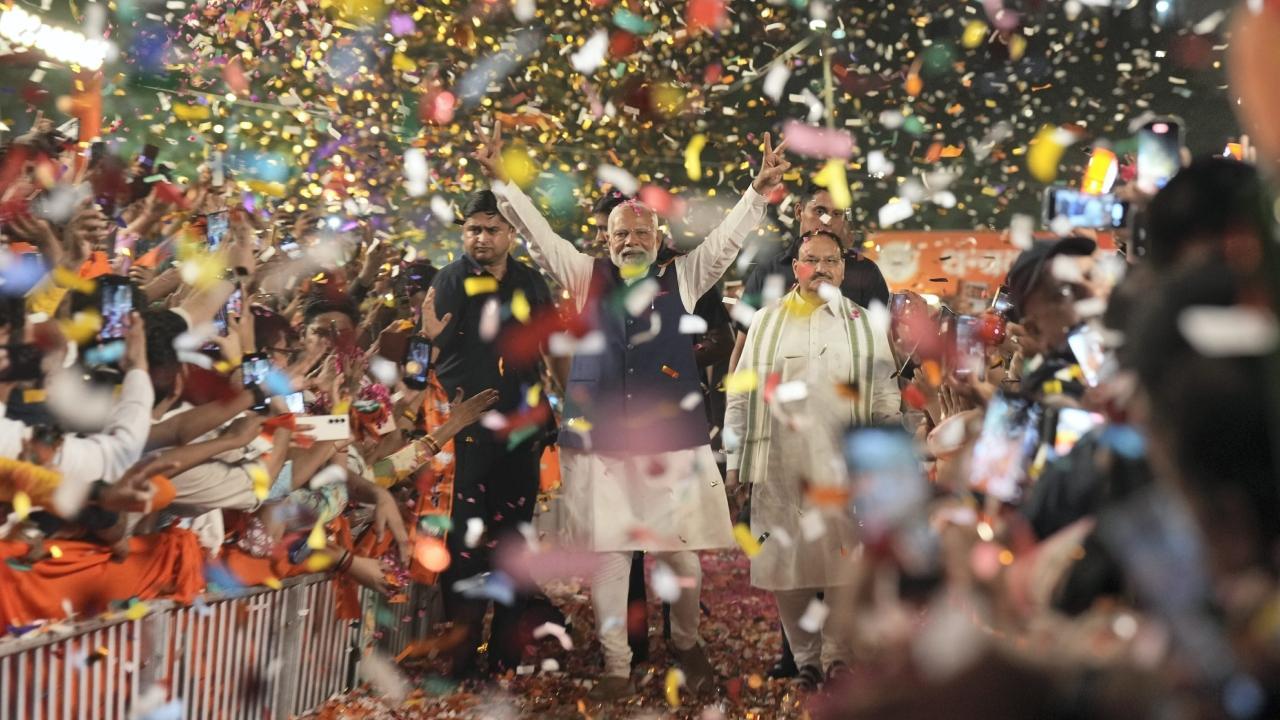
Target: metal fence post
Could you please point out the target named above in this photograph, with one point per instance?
(155, 647)
(286, 687)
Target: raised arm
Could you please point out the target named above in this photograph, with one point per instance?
(568, 266)
(703, 267)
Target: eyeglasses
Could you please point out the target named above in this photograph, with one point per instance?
(820, 262)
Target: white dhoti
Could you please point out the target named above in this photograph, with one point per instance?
(664, 502)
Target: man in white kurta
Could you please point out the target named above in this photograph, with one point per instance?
(615, 501)
(820, 367)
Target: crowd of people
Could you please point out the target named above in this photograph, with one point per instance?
(1062, 506)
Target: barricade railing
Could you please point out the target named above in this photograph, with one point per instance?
(253, 654)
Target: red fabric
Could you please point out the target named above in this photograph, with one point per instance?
(168, 564)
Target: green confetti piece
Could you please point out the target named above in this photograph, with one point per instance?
(631, 22)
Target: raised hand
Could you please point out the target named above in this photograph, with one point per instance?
(489, 151)
(432, 325)
(772, 167)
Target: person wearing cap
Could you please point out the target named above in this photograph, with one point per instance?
(496, 476)
(1045, 283)
(636, 463)
(839, 370)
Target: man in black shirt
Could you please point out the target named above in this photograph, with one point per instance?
(496, 474)
(863, 283)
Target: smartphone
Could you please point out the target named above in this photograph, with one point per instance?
(1002, 303)
(233, 307)
(1159, 152)
(296, 403)
(215, 228)
(1086, 344)
(324, 428)
(897, 304)
(1008, 439)
(417, 361)
(115, 302)
(97, 151)
(1071, 424)
(147, 160)
(1098, 212)
(886, 477)
(968, 355)
(255, 368)
(20, 362)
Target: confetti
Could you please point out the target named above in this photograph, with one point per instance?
(814, 616)
(671, 686)
(592, 54)
(431, 553)
(742, 534)
(480, 285)
(1237, 331)
(21, 504)
(550, 629)
(693, 156)
(742, 381)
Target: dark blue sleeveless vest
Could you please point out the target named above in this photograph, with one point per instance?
(630, 394)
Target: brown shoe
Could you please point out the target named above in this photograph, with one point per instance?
(612, 688)
(698, 674)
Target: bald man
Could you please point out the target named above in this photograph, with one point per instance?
(636, 463)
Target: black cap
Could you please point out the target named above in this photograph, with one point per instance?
(1029, 266)
(609, 201)
(480, 201)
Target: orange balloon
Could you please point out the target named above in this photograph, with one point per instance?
(432, 554)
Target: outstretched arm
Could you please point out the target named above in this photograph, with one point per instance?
(702, 268)
(568, 266)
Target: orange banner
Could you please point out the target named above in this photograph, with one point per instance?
(948, 262)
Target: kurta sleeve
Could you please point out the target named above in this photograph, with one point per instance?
(886, 399)
(568, 266)
(106, 455)
(703, 267)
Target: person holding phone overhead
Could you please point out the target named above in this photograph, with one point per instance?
(837, 370)
(636, 463)
(472, 305)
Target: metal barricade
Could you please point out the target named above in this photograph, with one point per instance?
(247, 655)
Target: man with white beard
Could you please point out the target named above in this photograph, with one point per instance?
(636, 463)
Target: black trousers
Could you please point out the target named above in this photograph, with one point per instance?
(499, 486)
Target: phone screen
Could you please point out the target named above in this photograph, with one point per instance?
(255, 369)
(1099, 212)
(1071, 425)
(215, 228)
(1086, 344)
(233, 307)
(1159, 153)
(968, 354)
(417, 362)
(1002, 303)
(887, 477)
(897, 304)
(116, 302)
(296, 403)
(147, 160)
(1010, 434)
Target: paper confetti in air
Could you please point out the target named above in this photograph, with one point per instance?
(746, 541)
(620, 179)
(382, 674)
(693, 156)
(814, 616)
(692, 325)
(894, 212)
(671, 686)
(665, 583)
(1237, 331)
(556, 631)
(775, 82)
(741, 382)
(475, 530)
(791, 391)
(592, 53)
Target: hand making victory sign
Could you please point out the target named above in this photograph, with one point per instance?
(489, 151)
(772, 167)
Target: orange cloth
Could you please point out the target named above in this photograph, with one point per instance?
(167, 564)
(97, 265)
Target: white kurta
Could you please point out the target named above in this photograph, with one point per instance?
(664, 501)
(832, 370)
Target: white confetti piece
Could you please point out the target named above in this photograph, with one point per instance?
(665, 583)
(775, 83)
(1060, 225)
(812, 526)
(329, 475)
(1066, 268)
(1229, 331)
(494, 420)
(879, 317)
(891, 119)
(525, 10)
(490, 320)
(475, 530)
(1020, 231)
(622, 180)
(782, 537)
(550, 665)
(814, 616)
(441, 209)
(878, 165)
(416, 172)
(641, 297)
(894, 212)
(692, 325)
(384, 371)
(774, 287)
(1091, 308)
(829, 293)
(591, 55)
(791, 391)
(383, 675)
(556, 631)
(691, 401)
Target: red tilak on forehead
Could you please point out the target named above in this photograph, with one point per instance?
(636, 206)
